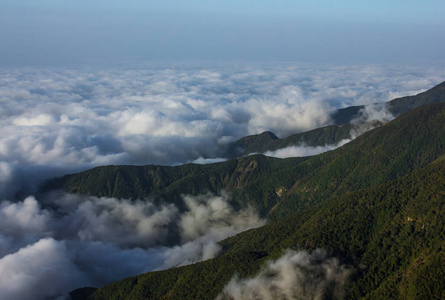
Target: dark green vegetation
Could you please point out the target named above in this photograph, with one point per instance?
(278, 187)
(244, 177)
(377, 203)
(267, 141)
(393, 234)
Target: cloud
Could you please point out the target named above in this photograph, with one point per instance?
(303, 150)
(38, 271)
(203, 161)
(296, 275)
(58, 121)
(94, 241)
(24, 217)
(374, 112)
(214, 216)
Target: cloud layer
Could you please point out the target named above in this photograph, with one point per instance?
(58, 121)
(296, 275)
(93, 241)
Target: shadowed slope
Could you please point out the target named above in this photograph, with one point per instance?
(279, 187)
(392, 235)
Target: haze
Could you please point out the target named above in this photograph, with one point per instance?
(51, 32)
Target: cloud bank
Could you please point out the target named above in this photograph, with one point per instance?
(296, 275)
(303, 150)
(88, 241)
(58, 121)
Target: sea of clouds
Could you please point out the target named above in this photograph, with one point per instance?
(56, 121)
(78, 241)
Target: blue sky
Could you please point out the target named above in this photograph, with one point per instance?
(50, 32)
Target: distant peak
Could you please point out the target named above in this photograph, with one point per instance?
(269, 134)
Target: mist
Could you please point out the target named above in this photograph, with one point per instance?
(88, 241)
(295, 275)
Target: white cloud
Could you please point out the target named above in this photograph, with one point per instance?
(62, 121)
(296, 275)
(23, 218)
(95, 241)
(213, 215)
(122, 222)
(40, 270)
(303, 150)
(203, 161)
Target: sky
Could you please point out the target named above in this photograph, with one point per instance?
(50, 32)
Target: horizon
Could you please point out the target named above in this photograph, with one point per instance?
(85, 84)
(64, 33)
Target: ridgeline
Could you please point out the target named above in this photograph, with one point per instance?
(377, 204)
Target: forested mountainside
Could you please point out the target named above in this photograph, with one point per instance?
(377, 205)
(391, 236)
(278, 187)
(333, 134)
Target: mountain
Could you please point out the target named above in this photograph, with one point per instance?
(267, 141)
(278, 187)
(333, 134)
(434, 95)
(391, 235)
(377, 204)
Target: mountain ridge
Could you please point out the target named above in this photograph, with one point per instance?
(391, 253)
(285, 185)
(341, 129)
(377, 204)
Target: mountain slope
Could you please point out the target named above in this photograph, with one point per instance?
(332, 134)
(168, 184)
(280, 187)
(377, 204)
(267, 141)
(434, 95)
(392, 235)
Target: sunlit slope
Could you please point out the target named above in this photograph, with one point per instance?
(167, 184)
(392, 235)
(280, 187)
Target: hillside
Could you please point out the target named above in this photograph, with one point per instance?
(280, 187)
(376, 204)
(333, 134)
(267, 141)
(391, 235)
(434, 95)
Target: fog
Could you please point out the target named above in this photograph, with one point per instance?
(89, 241)
(295, 275)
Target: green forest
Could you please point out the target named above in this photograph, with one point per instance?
(377, 204)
